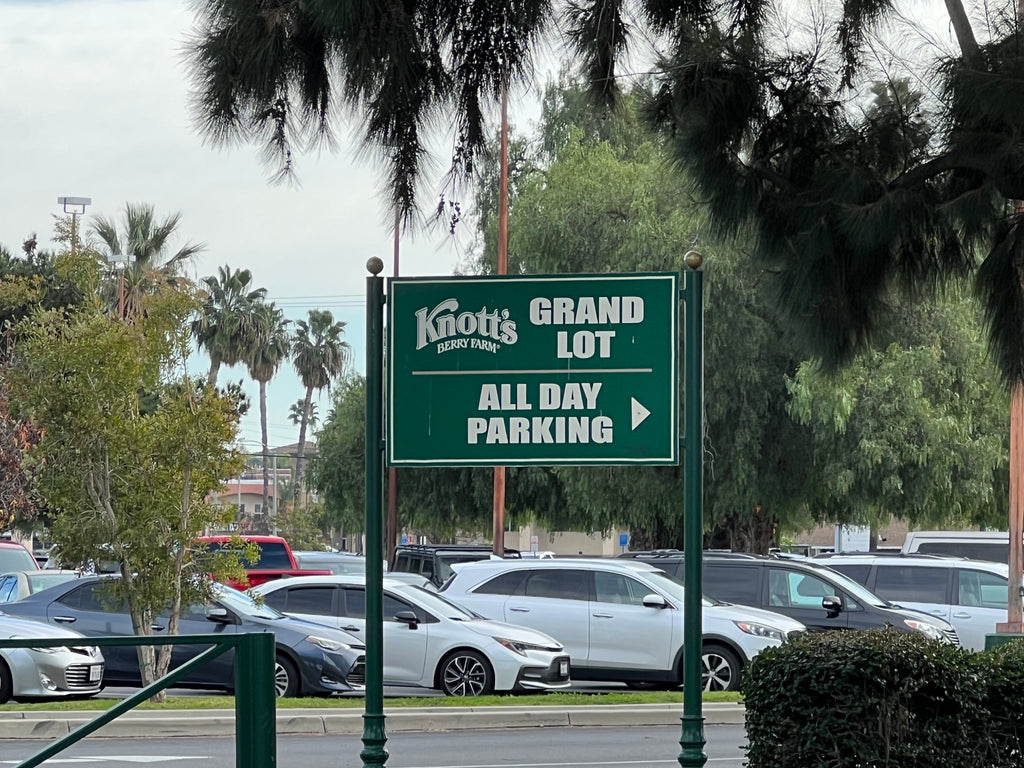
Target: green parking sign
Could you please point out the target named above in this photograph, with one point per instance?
(554, 369)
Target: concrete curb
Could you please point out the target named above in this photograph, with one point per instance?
(150, 724)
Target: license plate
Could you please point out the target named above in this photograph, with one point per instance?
(563, 668)
(95, 673)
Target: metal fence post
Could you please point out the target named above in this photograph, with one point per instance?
(255, 702)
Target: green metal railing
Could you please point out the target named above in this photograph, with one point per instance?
(255, 697)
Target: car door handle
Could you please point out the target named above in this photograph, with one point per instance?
(962, 615)
(603, 616)
(352, 629)
(519, 610)
(156, 627)
(65, 619)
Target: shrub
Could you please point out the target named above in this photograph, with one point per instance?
(872, 699)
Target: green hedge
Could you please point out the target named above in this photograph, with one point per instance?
(884, 699)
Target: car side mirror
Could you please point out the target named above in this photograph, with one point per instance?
(219, 615)
(654, 601)
(832, 605)
(408, 618)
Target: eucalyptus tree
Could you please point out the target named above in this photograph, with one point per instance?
(320, 356)
(142, 244)
(269, 349)
(227, 325)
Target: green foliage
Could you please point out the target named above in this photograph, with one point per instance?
(130, 450)
(915, 430)
(301, 526)
(608, 200)
(872, 698)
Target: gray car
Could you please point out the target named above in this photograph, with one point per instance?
(47, 673)
(310, 660)
(18, 584)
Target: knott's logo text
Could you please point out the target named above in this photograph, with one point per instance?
(451, 329)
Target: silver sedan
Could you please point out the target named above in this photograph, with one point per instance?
(47, 673)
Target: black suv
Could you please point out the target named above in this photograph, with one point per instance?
(814, 595)
(434, 561)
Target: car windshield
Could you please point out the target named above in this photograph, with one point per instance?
(439, 606)
(670, 586)
(241, 603)
(16, 559)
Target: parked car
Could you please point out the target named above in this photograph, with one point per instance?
(429, 641)
(65, 672)
(335, 562)
(978, 545)
(815, 595)
(310, 659)
(16, 557)
(619, 620)
(969, 594)
(19, 584)
(434, 561)
(274, 559)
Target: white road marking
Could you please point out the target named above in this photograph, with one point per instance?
(111, 758)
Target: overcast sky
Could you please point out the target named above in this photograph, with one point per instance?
(94, 104)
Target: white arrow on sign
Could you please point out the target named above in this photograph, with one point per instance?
(639, 413)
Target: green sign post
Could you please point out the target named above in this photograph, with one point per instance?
(575, 369)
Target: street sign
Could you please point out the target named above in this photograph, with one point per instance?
(554, 369)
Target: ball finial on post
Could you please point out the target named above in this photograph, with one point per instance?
(693, 259)
(374, 265)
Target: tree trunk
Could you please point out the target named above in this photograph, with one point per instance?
(306, 404)
(211, 377)
(266, 449)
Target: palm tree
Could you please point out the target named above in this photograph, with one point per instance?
(319, 356)
(228, 323)
(401, 67)
(296, 410)
(269, 350)
(141, 242)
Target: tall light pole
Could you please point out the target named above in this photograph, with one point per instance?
(72, 206)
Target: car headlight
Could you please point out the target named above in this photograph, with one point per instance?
(930, 630)
(521, 648)
(327, 644)
(40, 650)
(761, 630)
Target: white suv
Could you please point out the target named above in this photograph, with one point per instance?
(969, 594)
(619, 620)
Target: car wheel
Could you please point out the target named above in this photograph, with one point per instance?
(720, 669)
(286, 677)
(6, 683)
(466, 673)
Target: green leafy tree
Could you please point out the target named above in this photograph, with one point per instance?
(227, 326)
(320, 356)
(589, 204)
(130, 451)
(269, 349)
(913, 429)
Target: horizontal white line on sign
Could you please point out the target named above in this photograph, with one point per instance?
(532, 371)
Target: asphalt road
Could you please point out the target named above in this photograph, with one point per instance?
(604, 747)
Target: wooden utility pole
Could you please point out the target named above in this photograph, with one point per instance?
(499, 472)
(391, 529)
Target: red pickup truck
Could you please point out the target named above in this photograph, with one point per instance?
(276, 560)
